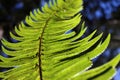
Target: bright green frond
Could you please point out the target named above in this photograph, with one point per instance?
(104, 72)
(46, 51)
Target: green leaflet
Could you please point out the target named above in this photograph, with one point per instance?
(45, 52)
(104, 72)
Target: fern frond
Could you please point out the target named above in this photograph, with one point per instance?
(104, 72)
(45, 52)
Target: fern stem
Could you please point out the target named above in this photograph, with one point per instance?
(40, 50)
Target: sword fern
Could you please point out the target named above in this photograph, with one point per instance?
(45, 52)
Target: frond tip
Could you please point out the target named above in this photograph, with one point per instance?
(45, 52)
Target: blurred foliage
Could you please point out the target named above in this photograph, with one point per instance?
(14, 11)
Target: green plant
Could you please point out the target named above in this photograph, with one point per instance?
(45, 52)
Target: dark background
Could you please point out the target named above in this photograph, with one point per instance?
(103, 15)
